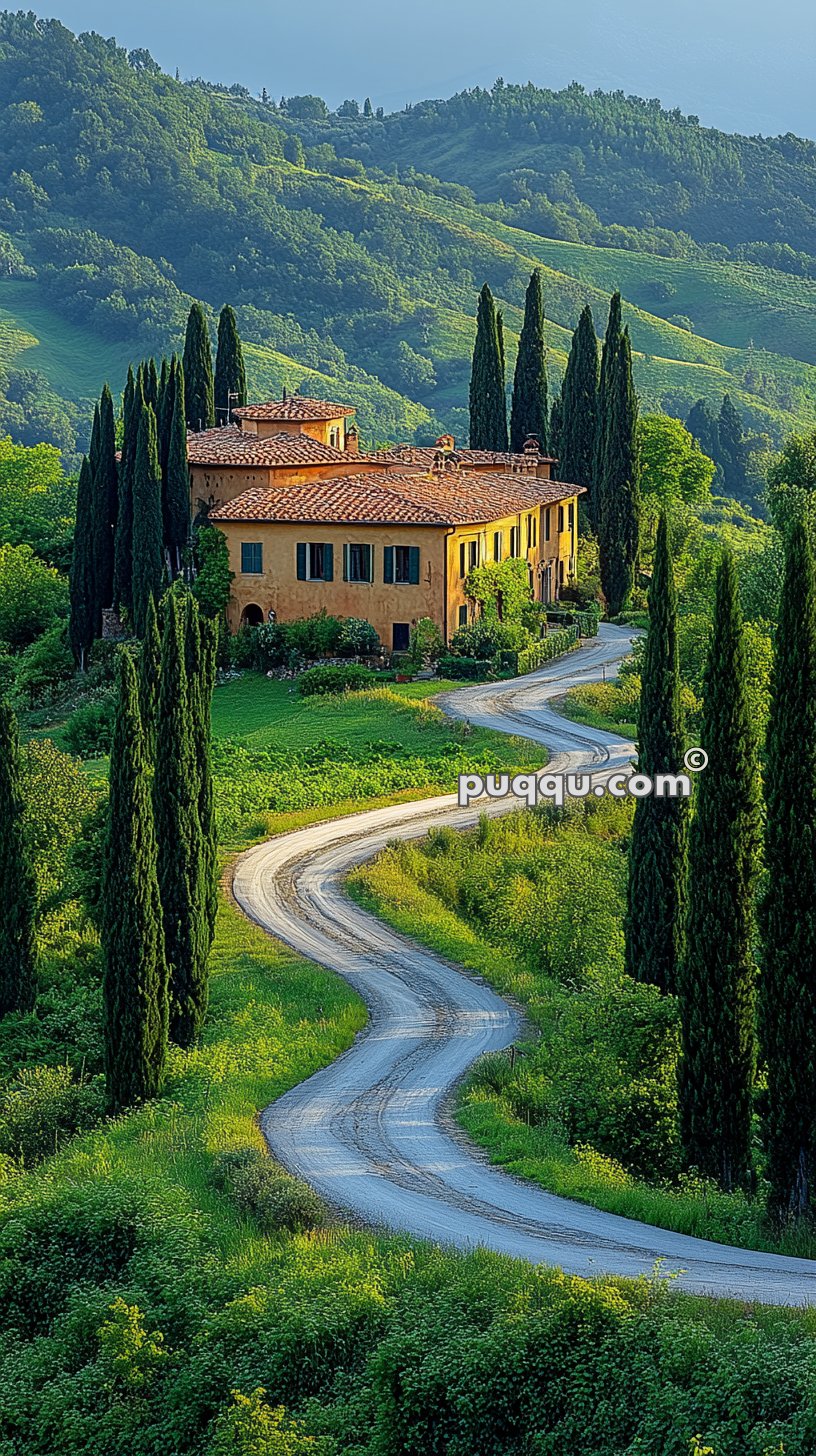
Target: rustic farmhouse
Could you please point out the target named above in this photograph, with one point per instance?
(312, 522)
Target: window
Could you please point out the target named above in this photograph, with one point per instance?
(334, 437)
(463, 616)
(473, 554)
(498, 545)
(560, 518)
(251, 558)
(462, 567)
(571, 512)
(315, 561)
(401, 565)
(547, 524)
(401, 636)
(514, 540)
(532, 534)
(357, 562)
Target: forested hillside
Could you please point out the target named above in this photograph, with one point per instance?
(125, 193)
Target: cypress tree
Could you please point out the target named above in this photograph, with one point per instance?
(177, 485)
(488, 407)
(18, 898)
(530, 411)
(106, 502)
(198, 375)
(610, 358)
(180, 840)
(718, 976)
(788, 912)
(148, 557)
(200, 657)
(149, 678)
(132, 405)
(164, 414)
(733, 455)
(703, 426)
(556, 427)
(619, 521)
(93, 448)
(579, 427)
(230, 374)
(151, 384)
(657, 849)
(135, 974)
(82, 623)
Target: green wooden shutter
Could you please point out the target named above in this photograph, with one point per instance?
(301, 560)
(328, 561)
(345, 562)
(462, 572)
(388, 564)
(369, 561)
(413, 565)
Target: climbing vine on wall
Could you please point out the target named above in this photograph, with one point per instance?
(502, 588)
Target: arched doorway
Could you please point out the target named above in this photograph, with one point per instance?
(252, 616)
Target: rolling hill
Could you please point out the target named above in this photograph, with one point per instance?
(125, 193)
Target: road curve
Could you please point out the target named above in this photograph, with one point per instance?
(368, 1132)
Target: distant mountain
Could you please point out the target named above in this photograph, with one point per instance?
(124, 193)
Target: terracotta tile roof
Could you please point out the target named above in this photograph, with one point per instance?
(296, 407)
(228, 445)
(469, 459)
(415, 499)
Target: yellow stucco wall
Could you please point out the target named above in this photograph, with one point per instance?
(278, 589)
(318, 429)
(440, 593)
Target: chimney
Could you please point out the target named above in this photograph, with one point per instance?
(352, 440)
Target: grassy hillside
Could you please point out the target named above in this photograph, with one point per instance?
(348, 280)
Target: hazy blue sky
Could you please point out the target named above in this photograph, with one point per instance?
(737, 64)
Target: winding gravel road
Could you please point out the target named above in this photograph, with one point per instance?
(369, 1131)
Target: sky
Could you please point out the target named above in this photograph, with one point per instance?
(737, 64)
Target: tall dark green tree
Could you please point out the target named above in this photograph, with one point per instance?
(579, 427)
(93, 448)
(149, 575)
(787, 1019)
(230, 374)
(178, 828)
(619, 520)
(177, 479)
(201, 642)
(733, 456)
(717, 987)
(82, 622)
(488, 406)
(18, 898)
(132, 406)
(106, 502)
(702, 424)
(556, 426)
(198, 372)
(656, 900)
(135, 973)
(150, 380)
(150, 678)
(529, 414)
(164, 414)
(610, 357)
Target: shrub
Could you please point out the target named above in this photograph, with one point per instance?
(317, 636)
(488, 636)
(45, 666)
(467, 669)
(426, 645)
(42, 1106)
(323, 680)
(32, 596)
(264, 1191)
(357, 638)
(89, 730)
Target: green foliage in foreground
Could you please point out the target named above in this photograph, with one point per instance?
(534, 903)
(18, 973)
(152, 1298)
